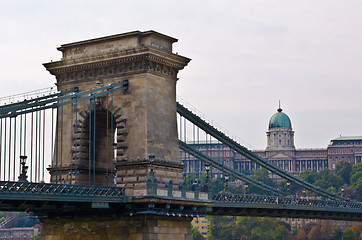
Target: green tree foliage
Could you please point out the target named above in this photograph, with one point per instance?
(280, 232)
(324, 179)
(248, 228)
(261, 175)
(22, 220)
(357, 231)
(36, 236)
(220, 228)
(215, 185)
(348, 234)
(196, 235)
(343, 170)
(356, 180)
(338, 233)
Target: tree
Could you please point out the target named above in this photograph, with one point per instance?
(343, 170)
(324, 179)
(280, 232)
(338, 233)
(261, 175)
(196, 235)
(36, 236)
(258, 234)
(326, 229)
(327, 179)
(315, 233)
(348, 234)
(301, 235)
(240, 229)
(357, 231)
(220, 228)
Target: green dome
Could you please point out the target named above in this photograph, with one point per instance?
(280, 120)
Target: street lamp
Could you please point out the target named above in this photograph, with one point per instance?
(288, 187)
(206, 185)
(246, 188)
(226, 182)
(23, 177)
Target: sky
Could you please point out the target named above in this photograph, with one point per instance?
(246, 56)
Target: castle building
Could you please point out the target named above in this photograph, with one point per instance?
(280, 151)
(344, 148)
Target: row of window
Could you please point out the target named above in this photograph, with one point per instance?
(346, 142)
(344, 150)
(310, 154)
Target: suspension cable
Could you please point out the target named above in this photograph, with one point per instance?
(250, 155)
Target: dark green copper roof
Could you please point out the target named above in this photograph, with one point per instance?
(280, 120)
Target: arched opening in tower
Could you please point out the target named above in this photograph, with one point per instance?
(97, 166)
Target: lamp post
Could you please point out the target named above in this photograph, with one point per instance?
(23, 177)
(226, 182)
(206, 185)
(342, 191)
(288, 187)
(246, 188)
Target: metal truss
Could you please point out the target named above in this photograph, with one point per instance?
(273, 206)
(17, 190)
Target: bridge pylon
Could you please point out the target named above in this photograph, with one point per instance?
(119, 131)
(111, 137)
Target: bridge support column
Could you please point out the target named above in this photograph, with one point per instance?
(143, 227)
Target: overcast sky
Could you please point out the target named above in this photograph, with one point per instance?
(246, 56)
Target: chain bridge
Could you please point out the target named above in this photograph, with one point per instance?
(104, 148)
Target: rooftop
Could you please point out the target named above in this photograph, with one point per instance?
(344, 138)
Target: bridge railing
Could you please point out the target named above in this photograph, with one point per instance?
(60, 189)
(273, 200)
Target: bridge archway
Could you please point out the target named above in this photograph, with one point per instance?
(100, 138)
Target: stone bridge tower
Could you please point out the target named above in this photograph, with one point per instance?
(144, 116)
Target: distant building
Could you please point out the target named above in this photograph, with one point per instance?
(344, 148)
(280, 151)
(202, 224)
(25, 233)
